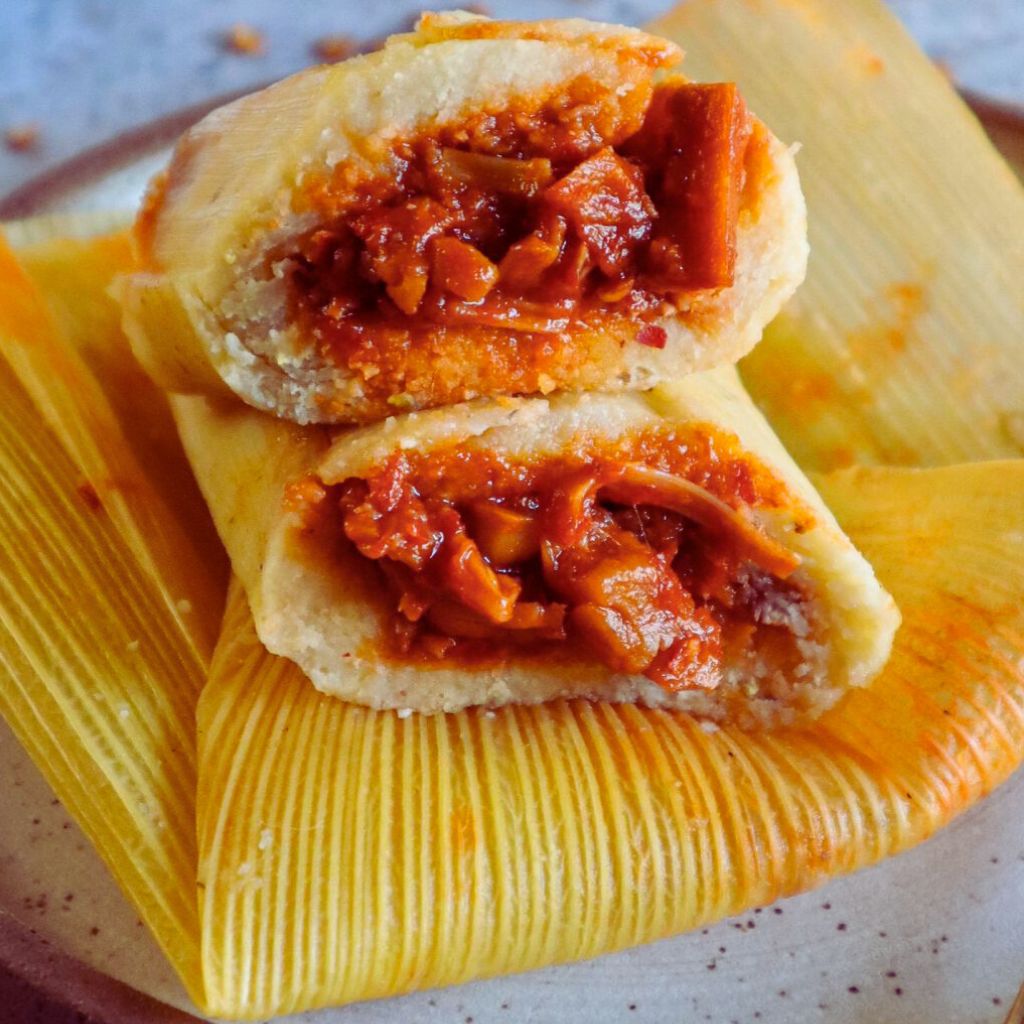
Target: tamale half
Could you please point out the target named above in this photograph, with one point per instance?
(658, 547)
(478, 208)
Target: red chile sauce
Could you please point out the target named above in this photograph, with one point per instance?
(524, 229)
(487, 557)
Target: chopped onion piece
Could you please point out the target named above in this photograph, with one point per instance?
(497, 173)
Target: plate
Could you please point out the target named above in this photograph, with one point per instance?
(936, 934)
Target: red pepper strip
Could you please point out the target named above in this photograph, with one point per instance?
(652, 336)
(694, 141)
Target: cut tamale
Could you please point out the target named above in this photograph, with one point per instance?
(479, 208)
(669, 552)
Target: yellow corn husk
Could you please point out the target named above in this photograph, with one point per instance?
(73, 277)
(903, 346)
(107, 612)
(143, 485)
(348, 854)
(79, 227)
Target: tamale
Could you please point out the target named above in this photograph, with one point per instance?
(479, 208)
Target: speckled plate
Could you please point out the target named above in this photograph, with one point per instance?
(934, 935)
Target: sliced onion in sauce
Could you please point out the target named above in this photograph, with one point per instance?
(497, 173)
(635, 484)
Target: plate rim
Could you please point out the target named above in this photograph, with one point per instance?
(90, 165)
(39, 983)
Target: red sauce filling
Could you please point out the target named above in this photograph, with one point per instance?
(538, 224)
(641, 553)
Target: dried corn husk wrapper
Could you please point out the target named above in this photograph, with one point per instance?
(305, 852)
(109, 599)
(903, 345)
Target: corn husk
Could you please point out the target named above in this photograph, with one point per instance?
(63, 343)
(105, 628)
(344, 853)
(903, 346)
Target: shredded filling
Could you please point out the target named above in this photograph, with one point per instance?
(541, 224)
(645, 557)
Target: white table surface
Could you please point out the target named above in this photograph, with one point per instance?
(83, 71)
